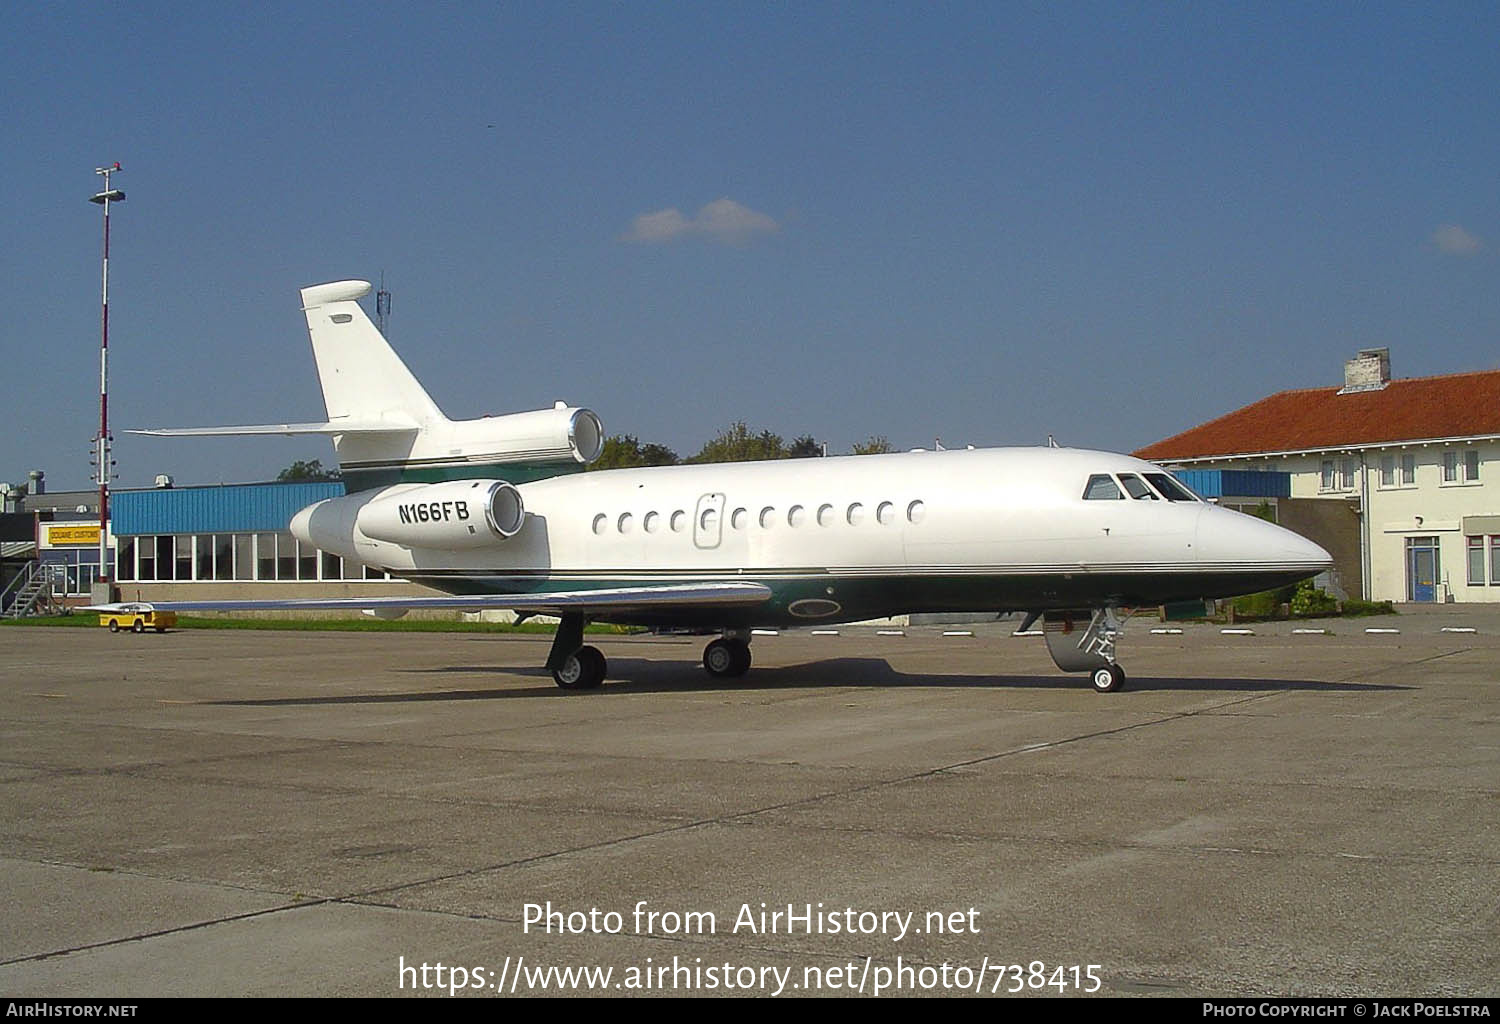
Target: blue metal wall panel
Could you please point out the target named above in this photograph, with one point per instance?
(229, 508)
(1236, 483)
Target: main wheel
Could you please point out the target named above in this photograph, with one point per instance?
(727, 657)
(584, 669)
(1108, 678)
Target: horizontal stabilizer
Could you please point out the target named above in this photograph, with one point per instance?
(615, 599)
(283, 429)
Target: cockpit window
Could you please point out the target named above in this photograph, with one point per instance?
(1137, 487)
(1101, 487)
(1170, 488)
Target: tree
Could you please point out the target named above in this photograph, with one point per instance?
(736, 444)
(804, 447)
(313, 470)
(876, 445)
(625, 451)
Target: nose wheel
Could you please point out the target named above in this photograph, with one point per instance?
(1108, 679)
(727, 657)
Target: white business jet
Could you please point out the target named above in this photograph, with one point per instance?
(494, 513)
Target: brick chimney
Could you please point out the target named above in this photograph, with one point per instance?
(1370, 370)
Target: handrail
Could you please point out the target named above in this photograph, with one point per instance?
(19, 583)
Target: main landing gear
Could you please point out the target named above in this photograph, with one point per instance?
(574, 666)
(728, 656)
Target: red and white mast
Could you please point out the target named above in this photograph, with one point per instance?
(102, 441)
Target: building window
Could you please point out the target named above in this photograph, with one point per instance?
(1476, 561)
(1495, 561)
(125, 560)
(203, 557)
(1337, 475)
(1398, 471)
(1461, 467)
(244, 558)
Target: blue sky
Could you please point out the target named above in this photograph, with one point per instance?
(984, 222)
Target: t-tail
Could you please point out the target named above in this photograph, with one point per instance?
(386, 429)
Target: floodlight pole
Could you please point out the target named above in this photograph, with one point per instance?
(102, 445)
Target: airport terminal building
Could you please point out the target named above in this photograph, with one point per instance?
(1412, 466)
(196, 543)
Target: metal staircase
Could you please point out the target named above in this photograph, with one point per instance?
(37, 590)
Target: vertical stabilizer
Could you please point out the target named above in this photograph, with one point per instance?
(363, 379)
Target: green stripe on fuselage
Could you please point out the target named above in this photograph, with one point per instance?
(813, 597)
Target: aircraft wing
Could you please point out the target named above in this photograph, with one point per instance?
(616, 599)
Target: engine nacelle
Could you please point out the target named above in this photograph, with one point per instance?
(456, 514)
(560, 434)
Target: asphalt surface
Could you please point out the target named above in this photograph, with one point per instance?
(281, 813)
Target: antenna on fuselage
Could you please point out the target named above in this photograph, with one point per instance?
(383, 308)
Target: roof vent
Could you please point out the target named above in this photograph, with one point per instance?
(163, 481)
(1368, 371)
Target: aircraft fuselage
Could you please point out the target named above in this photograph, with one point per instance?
(842, 539)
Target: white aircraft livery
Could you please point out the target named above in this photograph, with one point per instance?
(495, 513)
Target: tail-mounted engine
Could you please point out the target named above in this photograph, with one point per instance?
(456, 514)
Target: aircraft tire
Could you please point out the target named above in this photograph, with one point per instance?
(584, 669)
(1108, 679)
(727, 657)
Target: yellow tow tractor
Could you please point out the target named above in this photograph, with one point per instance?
(137, 619)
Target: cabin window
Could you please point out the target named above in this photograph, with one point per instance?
(1170, 488)
(625, 523)
(825, 515)
(767, 517)
(599, 522)
(679, 521)
(709, 520)
(796, 516)
(916, 512)
(652, 522)
(856, 514)
(738, 518)
(1136, 487)
(1101, 487)
(885, 513)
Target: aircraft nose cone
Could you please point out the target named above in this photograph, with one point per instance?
(1228, 537)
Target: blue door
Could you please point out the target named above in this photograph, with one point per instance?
(1421, 568)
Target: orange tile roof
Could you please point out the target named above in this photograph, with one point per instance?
(1416, 409)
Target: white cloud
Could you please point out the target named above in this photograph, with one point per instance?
(722, 220)
(1452, 238)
